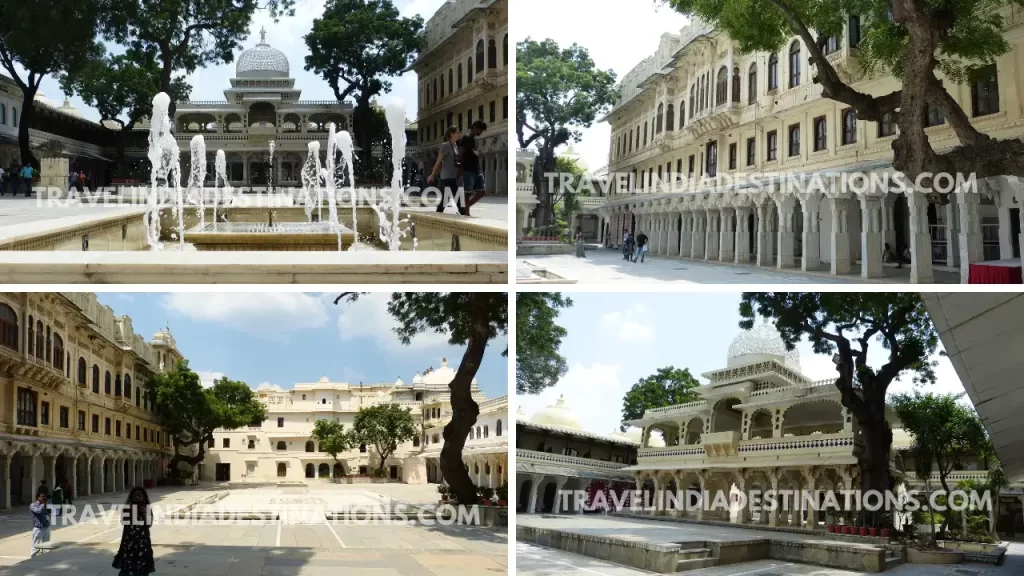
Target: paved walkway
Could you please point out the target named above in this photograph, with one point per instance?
(267, 548)
(607, 266)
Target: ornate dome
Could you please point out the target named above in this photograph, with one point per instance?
(262, 61)
(557, 415)
(763, 339)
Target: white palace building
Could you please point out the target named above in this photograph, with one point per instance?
(261, 105)
(698, 109)
(282, 448)
(762, 424)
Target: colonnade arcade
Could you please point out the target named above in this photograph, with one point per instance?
(485, 470)
(656, 485)
(90, 470)
(831, 231)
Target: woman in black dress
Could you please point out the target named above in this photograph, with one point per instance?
(135, 556)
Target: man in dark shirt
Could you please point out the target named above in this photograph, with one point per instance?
(641, 247)
(472, 175)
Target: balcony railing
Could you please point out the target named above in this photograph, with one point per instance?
(720, 441)
(531, 455)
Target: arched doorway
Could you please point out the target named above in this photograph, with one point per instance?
(725, 418)
(324, 470)
(310, 472)
(21, 479)
(523, 503)
(282, 470)
(548, 500)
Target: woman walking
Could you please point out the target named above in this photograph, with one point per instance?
(449, 164)
(135, 556)
(581, 250)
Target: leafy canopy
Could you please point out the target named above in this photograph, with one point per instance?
(539, 364)
(666, 387)
(969, 31)
(384, 426)
(558, 92)
(449, 313)
(190, 413)
(361, 43)
(943, 428)
(333, 438)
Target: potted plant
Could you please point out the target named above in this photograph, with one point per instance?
(502, 493)
(486, 495)
(442, 489)
(872, 531)
(863, 530)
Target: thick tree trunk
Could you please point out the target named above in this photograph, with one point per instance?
(192, 461)
(875, 443)
(545, 165)
(28, 112)
(362, 120)
(464, 409)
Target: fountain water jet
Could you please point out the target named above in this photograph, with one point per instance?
(165, 159)
(220, 167)
(196, 190)
(330, 181)
(311, 179)
(347, 155)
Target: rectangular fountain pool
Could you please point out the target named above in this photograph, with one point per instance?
(265, 237)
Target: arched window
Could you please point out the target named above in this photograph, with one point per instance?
(693, 95)
(497, 428)
(310, 471)
(137, 397)
(95, 379)
(252, 444)
(480, 56)
(478, 434)
(309, 446)
(49, 346)
(3, 114)
(492, 53)
(117, 385)
(127, 386)
(794, 64)
(682, 114)
(722, 86)
(736, 84)
(323, 400)
(451, 81)
(773, 72)
(415, 441)
(8, 327)
(281, 445)
(504, 51)
(106, 382)
(670, 118)
(469, 70)
(752, 84)
(645, 133)
(83, 372)
(849, 126)
(442, 84)
(435, 89)
(485, 431)
(31, 336)
(659, 123)
(362, 448)
(435, 439)
(460, 75)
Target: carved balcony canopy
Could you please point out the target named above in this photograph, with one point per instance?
(721, 444)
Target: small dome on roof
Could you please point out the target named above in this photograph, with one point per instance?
(558, 415)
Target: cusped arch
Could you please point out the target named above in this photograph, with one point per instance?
(761, 424)
(694, 430)
(824, 416)
(724, 416)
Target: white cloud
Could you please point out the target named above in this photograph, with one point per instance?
(267, 314)
(368, 318)
(594, 393)
(632, 324)
(207, 377)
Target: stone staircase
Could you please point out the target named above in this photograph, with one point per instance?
(894, 556)
(693, 556)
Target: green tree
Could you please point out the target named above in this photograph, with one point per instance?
(949, 431)
(333, 438)
(539, 364)
(360, 43)
(558, 92)
(566, 202)
(190, 413)
(384, 427)
(470, 319)
(121, 88)
(666, 387)
(185, 35)
(910, 39)
(845, 325)
(25, 43)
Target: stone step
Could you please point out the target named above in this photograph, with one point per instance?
(696, 564)
(692, 553)
(893, 559)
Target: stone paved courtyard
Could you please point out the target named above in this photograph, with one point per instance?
(249, 548)
(607, 266)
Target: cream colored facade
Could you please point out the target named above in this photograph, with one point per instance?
(554, 453)
(282, 449)
(699, 108)
(463, 77)
(486, 451)
(72, 376)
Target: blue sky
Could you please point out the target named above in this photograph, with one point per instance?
(287, 36)
(285, 338)
(616, 339)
